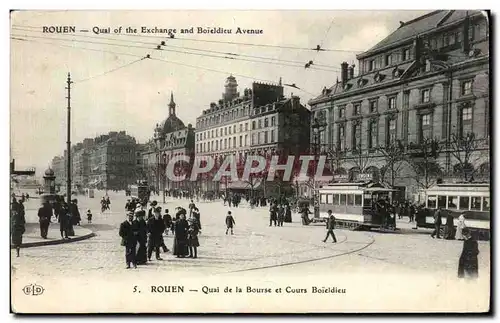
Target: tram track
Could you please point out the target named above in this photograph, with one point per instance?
(291, 263)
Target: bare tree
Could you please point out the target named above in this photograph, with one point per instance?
(464, 149)
(394, 157)
(361, 159)
(335, 157)
(423, 161)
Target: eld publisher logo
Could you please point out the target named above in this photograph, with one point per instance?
(33, 290)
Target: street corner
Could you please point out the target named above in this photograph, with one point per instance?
(32, 238)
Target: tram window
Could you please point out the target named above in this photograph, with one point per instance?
(357, 199)
(452, 202)
(442, 201)
(431, 202)
(323, 198)
(336, 200)
(343, 198)
(475, 203)
(486, 203)
(350, 199)
(464, 203)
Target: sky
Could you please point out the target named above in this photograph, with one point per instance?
(108, 96)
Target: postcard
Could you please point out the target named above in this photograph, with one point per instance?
(250, 161)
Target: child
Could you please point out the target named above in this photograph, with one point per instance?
(89, 216)
(229, 222)
(193, 241)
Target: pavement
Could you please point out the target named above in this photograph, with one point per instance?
(255, 250)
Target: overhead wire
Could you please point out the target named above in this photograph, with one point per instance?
(223, 42)
(159, 47)
(157, 59)
(188, 48)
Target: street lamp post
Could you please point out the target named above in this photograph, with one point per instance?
(318, 127)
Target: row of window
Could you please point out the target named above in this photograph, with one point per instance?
(425, 97)
(462, 203)
(342, 199)
(226, 116)
(424, 127)
(228, 130)
(442, 40)
(262, 137)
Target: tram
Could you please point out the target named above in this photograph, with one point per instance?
(471, 200)
(140, 191)
(354, 205)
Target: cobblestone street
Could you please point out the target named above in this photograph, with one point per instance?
(255, 250)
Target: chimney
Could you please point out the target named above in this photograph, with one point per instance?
(465, 35)
(343, 72)
(350, 72)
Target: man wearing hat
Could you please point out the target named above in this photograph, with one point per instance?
(142, 237)
(330, 225)
(151, 210)
(156, 226)
(129, 232)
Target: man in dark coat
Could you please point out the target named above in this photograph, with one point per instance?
(44, 215)
(64, 221)
(468, 263)
(75, 213)
(229, 222)
(191, 208)
(156, 226)
(288, 214)
(305, 215)
(281, 215)
(141, 257)
(151, 210)
(330, 225)
(129, 232)
(273, 215)
(167, 219)
(437, 222)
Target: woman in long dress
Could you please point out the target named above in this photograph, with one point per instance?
(18, 226)
(468, 263)
(181, 236)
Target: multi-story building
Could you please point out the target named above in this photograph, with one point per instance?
(113, 161)
(428, 80)
(59, 168)
(171, 138)
(261, 121)
(80, 167)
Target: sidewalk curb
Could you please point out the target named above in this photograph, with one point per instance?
(55, 242)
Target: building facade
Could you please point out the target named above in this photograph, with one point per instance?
(171, 138)
(58, 165)
(428, 81)
(261, 121)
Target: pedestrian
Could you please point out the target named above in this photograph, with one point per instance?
(468, 262)
(191, 208)
(162, 244)
(196, 216)
(305, 215)
(129, 231)
(281, 215)
(288, 214)
(167, 219)
(18, 226)
(89, 216)
(273, 215)
(180, 239)
(75, 213)
(450, 228)
(151, 210)
(44, 215)
(141, 256)
(193, 241)
(229, 222)
(460, 227)
(330, 225)
(437, 223)
(156, 226)
(64, 220)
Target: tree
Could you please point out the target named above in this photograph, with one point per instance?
(360, 159)
(335, 157)
(394, 157)
(463, 149)
(422, 159)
